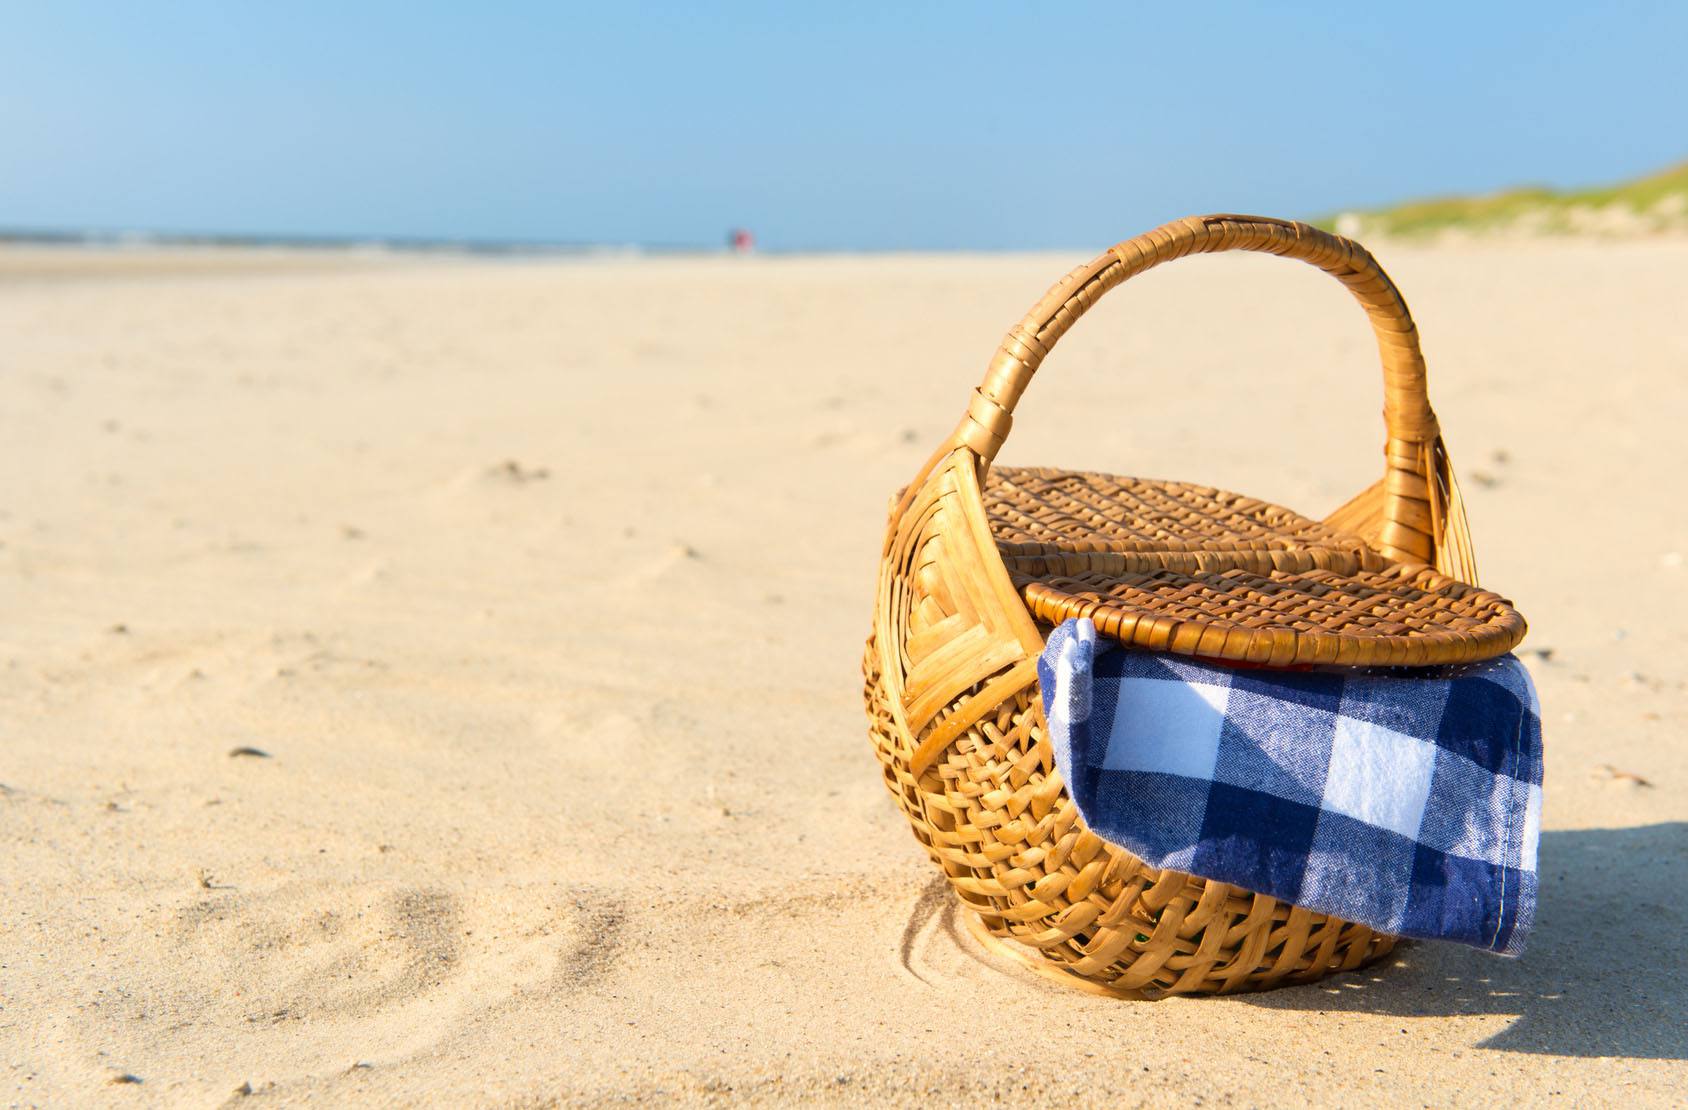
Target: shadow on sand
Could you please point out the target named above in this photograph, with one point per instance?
(1605, 972)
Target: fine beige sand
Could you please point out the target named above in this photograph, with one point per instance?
(541, 586)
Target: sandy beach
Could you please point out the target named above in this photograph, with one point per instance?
(435, 681)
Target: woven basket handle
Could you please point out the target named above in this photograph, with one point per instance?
(1412, 501)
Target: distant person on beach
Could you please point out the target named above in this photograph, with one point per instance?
(740, 241)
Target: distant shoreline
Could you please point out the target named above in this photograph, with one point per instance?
(31, 252)
(168, 240)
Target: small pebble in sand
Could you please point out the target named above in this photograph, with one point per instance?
(126, 1077)
(119, 629)
(1610, 773)
(243, 750)
(512, 471)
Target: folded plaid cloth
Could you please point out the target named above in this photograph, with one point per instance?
(1409, 801)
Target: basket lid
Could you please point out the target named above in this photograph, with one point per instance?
(1171, 566)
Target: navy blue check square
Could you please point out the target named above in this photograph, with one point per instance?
(1407, 800)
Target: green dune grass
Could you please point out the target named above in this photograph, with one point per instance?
(1654, 203)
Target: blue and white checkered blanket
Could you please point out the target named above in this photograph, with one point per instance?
(1410, 802)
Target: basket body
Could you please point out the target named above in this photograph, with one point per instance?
(977, 566)
(994, 814)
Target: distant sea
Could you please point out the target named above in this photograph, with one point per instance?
(518, 247)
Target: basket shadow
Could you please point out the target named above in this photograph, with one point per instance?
(1611, 899)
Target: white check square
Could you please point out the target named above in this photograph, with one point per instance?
(1379, 776)
(1532, 828)
(1171, 727)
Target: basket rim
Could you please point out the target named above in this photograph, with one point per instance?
(1058, 581)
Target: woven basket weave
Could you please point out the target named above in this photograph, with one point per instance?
(979, 563)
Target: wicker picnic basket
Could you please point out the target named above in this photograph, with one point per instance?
(979, 564)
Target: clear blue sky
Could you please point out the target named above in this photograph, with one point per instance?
(860, 126)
